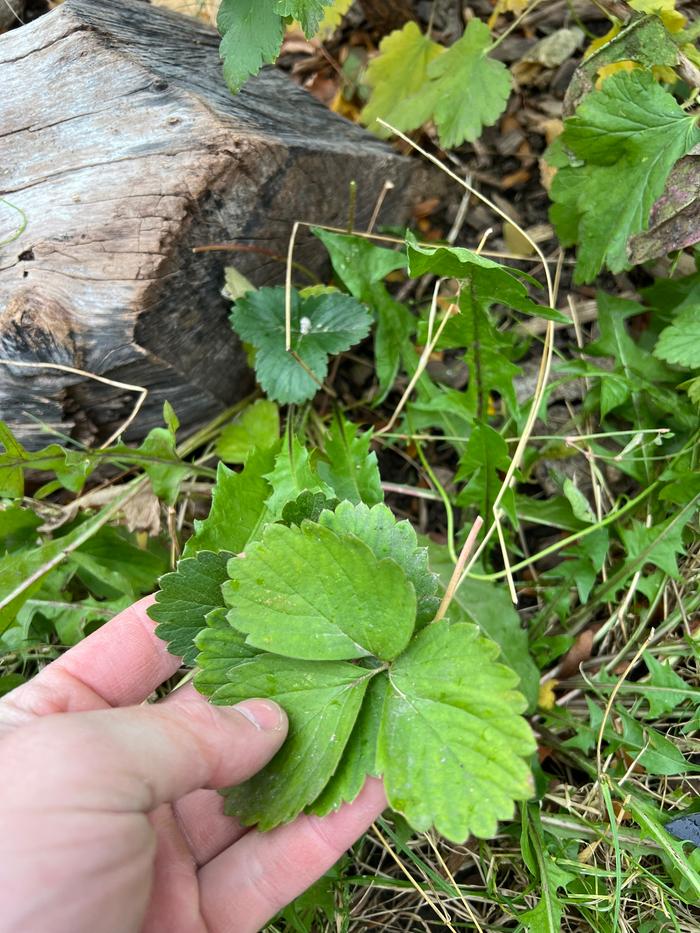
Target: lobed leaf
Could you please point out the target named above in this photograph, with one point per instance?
(251, 36)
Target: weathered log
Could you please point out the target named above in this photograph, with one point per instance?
(122, 149)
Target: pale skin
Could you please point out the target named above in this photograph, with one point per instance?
(109, 814)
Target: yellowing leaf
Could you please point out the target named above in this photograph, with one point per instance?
(665, 9)
(603, 40)
(547, 697)
(613, 68)
(507, 6)
(332, 17)
(396, 75)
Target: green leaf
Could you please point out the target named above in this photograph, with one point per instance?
(238, 506)
(668, 690)
(386, 537)
(309, 593)
(185, 598)
(111, 565)
(11, 465)
(18, 528)
(258, 427)
(467, 90)
(165, 477)
(295, 471)
(221, 649)
(308, 13)
(637, 538)
(307, 505)
(321, 325)
(251, 36)
(357, 261)
(360, 756)
(395, 324)
(350, 469)
(322, 700)
(71, 467)
(484, 459)
(398, 77)
(491, 608)
(451, 742)
(625, 137)
(580, 505)
(680, 343)
(653, 751)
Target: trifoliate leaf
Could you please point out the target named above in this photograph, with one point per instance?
(680, 343)
(251, 34)
(360, 756)
(308, 13)
(307, 506)
(309, 593)
(451, 742)
(322, 700)
(238, 506)
(322, 324)
(467, 90)
(185, 598)
(258, 427)
(625, 137)
(386, 537)
(398, 77)
(221, 648)
(349, 468)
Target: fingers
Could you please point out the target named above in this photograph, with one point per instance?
(134, 759)
(273, 868)
(119, 665)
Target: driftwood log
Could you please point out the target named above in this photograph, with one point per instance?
(120, 150)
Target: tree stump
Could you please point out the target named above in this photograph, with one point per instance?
(121, 149)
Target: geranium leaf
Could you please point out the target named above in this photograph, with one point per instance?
(307, 505)
(309, 593)
(467, 89)
(251, 36)
(398, 77)
(322, 700)
(386, 537)
(185, 598)
(625, 137)
(451, 742)
(680, 343)
(238, 506)
(321, 325)
(308, 13)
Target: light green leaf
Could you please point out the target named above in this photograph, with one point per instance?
(680, 343)
(321, 325)
(482, 463)
(295, 471)
(625, 137)
(652, 750)
(360, 756)
(386, 537)
(185, 598)
(308, 13)
(349, 468)
(398, 77)
(165, 477)
(258, 427)
(637, 538)
(322, 700)
(11, 465)
(251, 37)
(238, 506)
(467, 89)
(580, 505)
(667, 689)
(309, 593)
(451, 742)
(491, 608)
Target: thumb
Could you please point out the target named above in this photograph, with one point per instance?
(134, 759)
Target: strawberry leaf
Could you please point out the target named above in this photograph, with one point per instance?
(322, 700)
(251, 36)
(283, 599)
(451, 742)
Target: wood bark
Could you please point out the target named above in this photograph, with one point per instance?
(120, 150)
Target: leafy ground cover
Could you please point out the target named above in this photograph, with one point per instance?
(528, 687)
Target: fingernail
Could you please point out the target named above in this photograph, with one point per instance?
(264, 714)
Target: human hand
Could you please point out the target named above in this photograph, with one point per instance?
(109, 820)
